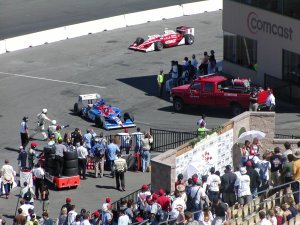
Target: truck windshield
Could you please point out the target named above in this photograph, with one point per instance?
(195, 86)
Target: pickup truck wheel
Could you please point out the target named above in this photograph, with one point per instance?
(189, 39)
(158, 46)
(236, 109)
(178, 105)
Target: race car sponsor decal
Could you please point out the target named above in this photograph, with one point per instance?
(170, 41)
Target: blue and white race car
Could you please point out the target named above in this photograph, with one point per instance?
(93, 107)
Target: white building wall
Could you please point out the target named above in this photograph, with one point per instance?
(237, 19)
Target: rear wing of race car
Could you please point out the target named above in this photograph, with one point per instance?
(185, 30)
(89, 97)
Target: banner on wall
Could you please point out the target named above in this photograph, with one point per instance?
(214, 151)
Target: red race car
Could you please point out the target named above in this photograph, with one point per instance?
(182, 36)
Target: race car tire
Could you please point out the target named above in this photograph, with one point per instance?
(178, 104)
(99, 121)
(69, 164)
(236, 109)
(139, 40)
(128, 115)
(158, 46)
(70, 155)
(78, 108)
(189, 39)
(48, 151)
(70, 172)
(50, 163)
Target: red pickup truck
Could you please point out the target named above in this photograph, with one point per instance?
(218, 91)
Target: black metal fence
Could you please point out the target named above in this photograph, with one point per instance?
(164, 140)
(286, 136)
(133, 196)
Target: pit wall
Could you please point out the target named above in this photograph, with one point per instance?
(111, 23)
(163, 172)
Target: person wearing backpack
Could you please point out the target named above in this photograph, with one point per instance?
(27, 194)
(194, 199)
(98, 151)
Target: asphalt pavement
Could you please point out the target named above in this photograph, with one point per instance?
(18, 17)
(52, 76)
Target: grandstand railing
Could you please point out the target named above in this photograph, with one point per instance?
(133, 196)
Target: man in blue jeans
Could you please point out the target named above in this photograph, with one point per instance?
(112, 150)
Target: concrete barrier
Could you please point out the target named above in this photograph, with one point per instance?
(201, 7)
(153, 15)
(95, 26)
(2, 47)
(35, 39)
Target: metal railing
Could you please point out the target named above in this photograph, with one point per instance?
(133, 196)
(164, 140)
(286, 136)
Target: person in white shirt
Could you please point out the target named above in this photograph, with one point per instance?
(197, 193)
(8, 176)
(142, 196)
(213, 184)
(85, 220)
(25, 207)
(123, 219)
(194, 62)
(242, 184)
(263, 219)
(82, 158)
(72, 215)
(39, 174)
(42, 118)
(270, 103)
(177, 201)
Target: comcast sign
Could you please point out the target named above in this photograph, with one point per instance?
(255, 25)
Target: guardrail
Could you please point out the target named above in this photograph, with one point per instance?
(133, 196)
(285, 136)
(111, 23)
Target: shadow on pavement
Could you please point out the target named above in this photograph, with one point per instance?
(147, 84)
(105, 186)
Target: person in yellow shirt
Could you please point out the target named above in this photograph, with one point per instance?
(296, 177)
(160, 82)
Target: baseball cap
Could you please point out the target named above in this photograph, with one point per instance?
(161, 191)
(248, 163)
(145, 186)
(154, 196)
(96, 214)
(107, 200)
(68, 199)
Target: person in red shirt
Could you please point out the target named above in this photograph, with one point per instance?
(164, 201)
(179, 180)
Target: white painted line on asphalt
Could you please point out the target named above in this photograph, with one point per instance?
(144, 123)
(53, 80)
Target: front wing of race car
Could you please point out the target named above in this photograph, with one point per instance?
(142, 47)
(116, 123)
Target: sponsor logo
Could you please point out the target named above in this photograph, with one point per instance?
(256, 24)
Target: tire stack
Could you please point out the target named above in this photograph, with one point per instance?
(70, 164)
(50, 165)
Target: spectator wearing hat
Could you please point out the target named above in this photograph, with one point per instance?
(164, 201)
(31, 155)
(254, 179)
(106, 203)
(96, 218)
(195, 196)
(242, 185)
(276, 167)
(220, 210)
(120, 168)
(181, 189)
(296, 176)
(206, 216)
(227, 186)
(178, 200)
(213, 184)
(67, 204)
(142, 197)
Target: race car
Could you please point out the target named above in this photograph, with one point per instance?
(182, 36)
(94, 108)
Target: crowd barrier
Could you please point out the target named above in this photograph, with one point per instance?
(111, 23)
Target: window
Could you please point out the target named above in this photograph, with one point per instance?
(289, 8)
(195, 86)
(291, 67)
(208, 86)
(240, 50)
